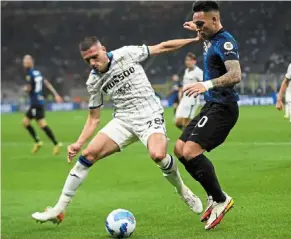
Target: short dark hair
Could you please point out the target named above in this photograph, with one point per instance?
(205, 6)
(191, 55)
(87, 42)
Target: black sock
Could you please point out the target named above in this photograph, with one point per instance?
(50, 134)
(32, 133)
(202, 170)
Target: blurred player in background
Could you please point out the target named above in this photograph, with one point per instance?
(285, 88)
(138, 115)
(176, 87)
(212, 125)
(188, 105)
(34, 88)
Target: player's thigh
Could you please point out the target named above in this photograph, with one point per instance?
(179, 121)
(179, 146)
(26, 121)
(120, 132)
(214, 126)
(157, 146)
(152, 133)
(99, 147)
(41, 122)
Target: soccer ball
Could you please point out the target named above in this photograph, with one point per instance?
(120, 223)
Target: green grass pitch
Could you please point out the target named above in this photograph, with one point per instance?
(253, 167)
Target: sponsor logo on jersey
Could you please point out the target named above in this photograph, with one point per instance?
(118, 78)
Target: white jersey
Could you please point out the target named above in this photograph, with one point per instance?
(192, 76)
(126, 83)
(288, 76)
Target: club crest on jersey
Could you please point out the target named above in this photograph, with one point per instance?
(228, 46)
(27, 78)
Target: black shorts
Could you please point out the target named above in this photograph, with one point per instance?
(35, 112)
(212, 125)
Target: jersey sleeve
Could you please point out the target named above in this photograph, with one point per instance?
(137, 53)
(96, 97)
(227, 49)
(288, 73)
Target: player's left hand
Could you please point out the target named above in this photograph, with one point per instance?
(194, 89)
(279, 104)
(58, 99)
(191, 26)
(72, 151)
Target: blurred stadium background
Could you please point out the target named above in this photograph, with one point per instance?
(51, 31)
(253, 166)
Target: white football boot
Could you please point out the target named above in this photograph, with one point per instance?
(49, 215)
(205, 216)
(218, 212)
(191, 200)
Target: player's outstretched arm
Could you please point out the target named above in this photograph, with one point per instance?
(284, 86)
(231, 77)
(48, 85)
(171, 45)
(88, 130)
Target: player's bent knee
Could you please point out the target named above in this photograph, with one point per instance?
(91, 155)
(158, 156)
(178, 122)
(25, 122)
(192, 150)
(178, 150)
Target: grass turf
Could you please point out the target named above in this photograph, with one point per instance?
(253, 167)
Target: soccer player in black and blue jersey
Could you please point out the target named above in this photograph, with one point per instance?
(34, 87)
(212, 125)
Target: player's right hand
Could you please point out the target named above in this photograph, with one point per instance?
(58, 99)
(73, 150)
(279, 105)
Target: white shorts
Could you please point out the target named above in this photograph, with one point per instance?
(187, 107)
(288, 96)
(126, 132)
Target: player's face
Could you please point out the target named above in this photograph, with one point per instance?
(189, 62)
(96, 57)
(205, 23)
(27, 62)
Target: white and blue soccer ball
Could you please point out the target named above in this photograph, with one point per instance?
(120, 223)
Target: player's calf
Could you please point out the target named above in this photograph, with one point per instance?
(202, 170)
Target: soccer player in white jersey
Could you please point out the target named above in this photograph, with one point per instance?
(188, 105)
(285, 88)
(138, 115)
